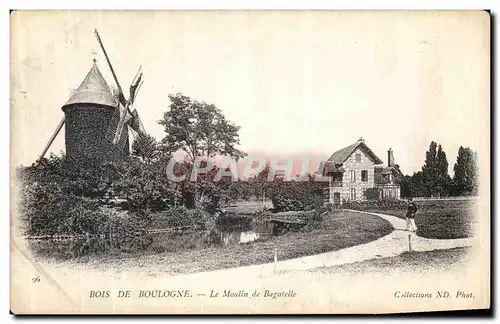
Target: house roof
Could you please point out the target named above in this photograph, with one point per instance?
(93, 90)
(332, 167)
(389, 170)
(334, 162)
(343, 154)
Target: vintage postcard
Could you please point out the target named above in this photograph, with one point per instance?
(250, 162)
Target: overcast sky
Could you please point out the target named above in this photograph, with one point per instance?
(296, 82)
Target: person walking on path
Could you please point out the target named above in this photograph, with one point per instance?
(410, 216)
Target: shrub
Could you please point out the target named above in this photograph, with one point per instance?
(296, 195)
(177, 217)
(47, 210)
(371, 193)
(382, 204)
(232, 222)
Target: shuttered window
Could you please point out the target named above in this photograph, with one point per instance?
(353, 193)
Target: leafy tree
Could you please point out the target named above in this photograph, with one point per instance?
(430, 170)
(465, 180)
(146, 186)
(406, 186)
(443, 180)
(417, 186)
(435, 171)
(199, 129)
(145, 147)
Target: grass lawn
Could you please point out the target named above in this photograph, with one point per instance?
(339, 230)
(408, 262)
(440, 219)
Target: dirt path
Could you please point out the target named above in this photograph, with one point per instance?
(74, 284)
(393, 244)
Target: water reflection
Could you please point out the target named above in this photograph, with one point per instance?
(228, 238)
(154, 242)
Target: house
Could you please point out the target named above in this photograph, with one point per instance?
(356, 173)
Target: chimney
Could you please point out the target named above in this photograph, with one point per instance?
(390, 158)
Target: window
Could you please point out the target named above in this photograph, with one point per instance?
(364, 175)
(353, 193)
(353, 175)
(358, 157)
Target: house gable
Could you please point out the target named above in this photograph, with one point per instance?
(336, 161)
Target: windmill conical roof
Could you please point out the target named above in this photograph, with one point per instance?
(93, 90)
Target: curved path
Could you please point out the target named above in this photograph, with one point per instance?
(72, 285)
(393, 244)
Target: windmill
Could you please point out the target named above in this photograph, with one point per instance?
(125, 118)
(97, 123)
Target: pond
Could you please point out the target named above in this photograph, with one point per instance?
(159, 241)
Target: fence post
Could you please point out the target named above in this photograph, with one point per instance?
(409, 242)
(275, 258)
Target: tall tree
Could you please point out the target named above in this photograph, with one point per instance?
(443, 178)
(430, 170)
(417, 187)
(465, 180)
(199, 129)
(145, 147)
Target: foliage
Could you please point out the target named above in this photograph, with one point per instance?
(88, 178)
(233, 222)
(199, 129)
(146, 186)
(380, 204)
(177, 217)
(435, 172)
(145, 147)
(465, 179)
(371, 194)
(295, 195)
(47, 210)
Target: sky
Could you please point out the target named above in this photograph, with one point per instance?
(296, 82)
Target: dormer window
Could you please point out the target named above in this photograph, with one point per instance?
(358, 157)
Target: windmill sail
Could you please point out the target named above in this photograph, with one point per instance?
(118, 126)
(134, 87)
(135, 123)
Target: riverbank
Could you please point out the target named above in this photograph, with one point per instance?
(338, 230)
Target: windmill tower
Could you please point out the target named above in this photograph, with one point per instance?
(88, 114)
(98, 122)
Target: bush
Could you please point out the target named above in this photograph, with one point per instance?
(371, 194)
(296, 195)
(47, 210)
(178, 217)
(232, 222)
(382, 204)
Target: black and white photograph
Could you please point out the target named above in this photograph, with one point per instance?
(249, 162)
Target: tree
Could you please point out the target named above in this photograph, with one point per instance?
(429, 170)
(202, 131)
(465, 169)
(146, 186)
(145, 147)
(199, 129)
(405, 186)
(435, 171)
(443, 179)
(417, 187)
